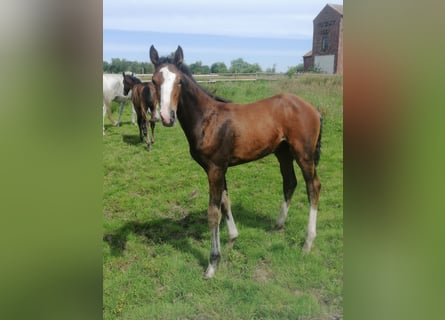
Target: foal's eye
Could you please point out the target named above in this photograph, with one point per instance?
(154, 82)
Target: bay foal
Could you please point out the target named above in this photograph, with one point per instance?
(145, 101)
(223, 134)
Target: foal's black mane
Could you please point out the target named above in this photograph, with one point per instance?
(133, 78)
(185, 69)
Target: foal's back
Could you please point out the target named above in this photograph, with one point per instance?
(275, 118)
(256, 129)
(143, 94)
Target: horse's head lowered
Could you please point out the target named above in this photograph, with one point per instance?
(167, 80)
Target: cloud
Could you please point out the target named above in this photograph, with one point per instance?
(263, 19)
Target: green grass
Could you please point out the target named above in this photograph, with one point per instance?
(156, 238)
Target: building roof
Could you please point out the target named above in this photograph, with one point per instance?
(337, 7)
(308, 54)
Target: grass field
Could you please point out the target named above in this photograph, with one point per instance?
(156, 238)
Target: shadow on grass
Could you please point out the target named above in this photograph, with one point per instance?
(177, 232)
(247, 217)
(108, 126)
(129, 123)
(166, 230)
(131, 139)
(266, 222)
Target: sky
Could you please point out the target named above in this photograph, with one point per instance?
(272, 33)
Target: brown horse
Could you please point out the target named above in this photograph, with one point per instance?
(223, 134)
(144, 98)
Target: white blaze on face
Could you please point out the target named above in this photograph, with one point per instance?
(166, 92)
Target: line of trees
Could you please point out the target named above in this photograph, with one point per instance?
(236, 66)
(121, 65)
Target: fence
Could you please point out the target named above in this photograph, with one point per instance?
(220, 77)
(217, 77)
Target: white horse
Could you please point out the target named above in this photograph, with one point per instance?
(113, 90)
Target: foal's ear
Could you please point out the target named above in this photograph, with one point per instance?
(154, 57)
(179, 56)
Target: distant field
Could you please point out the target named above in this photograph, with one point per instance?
(156, 238)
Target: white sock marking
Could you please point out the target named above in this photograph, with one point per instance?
(311, 226)
(283, 214)
(311, 229)
(231, 227)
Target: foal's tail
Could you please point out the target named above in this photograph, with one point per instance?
(318, 146)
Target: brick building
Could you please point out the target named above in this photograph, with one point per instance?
(327, 42)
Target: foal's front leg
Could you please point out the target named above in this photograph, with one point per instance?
(121, 110)
(216, 186)
(107, 110)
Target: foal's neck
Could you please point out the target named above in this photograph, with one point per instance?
(193, 104)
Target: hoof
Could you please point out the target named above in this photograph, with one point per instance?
(210, 272)
(231, 243)
(278, 227)
(307, 247)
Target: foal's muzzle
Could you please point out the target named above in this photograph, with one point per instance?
(169, 122)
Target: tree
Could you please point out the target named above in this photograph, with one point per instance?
(291, 71)
(218, 67)
(273, 69)
(199, 68)
(106, 66)
(117, 66)
(237, 65)
(241, 66)
(147, 67)
(254, 68)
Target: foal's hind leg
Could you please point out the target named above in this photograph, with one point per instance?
(289, 181)
(152, 127)
(141, 127)
(313, 187)
(146, 135)
(227, 212)
(216, 188)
